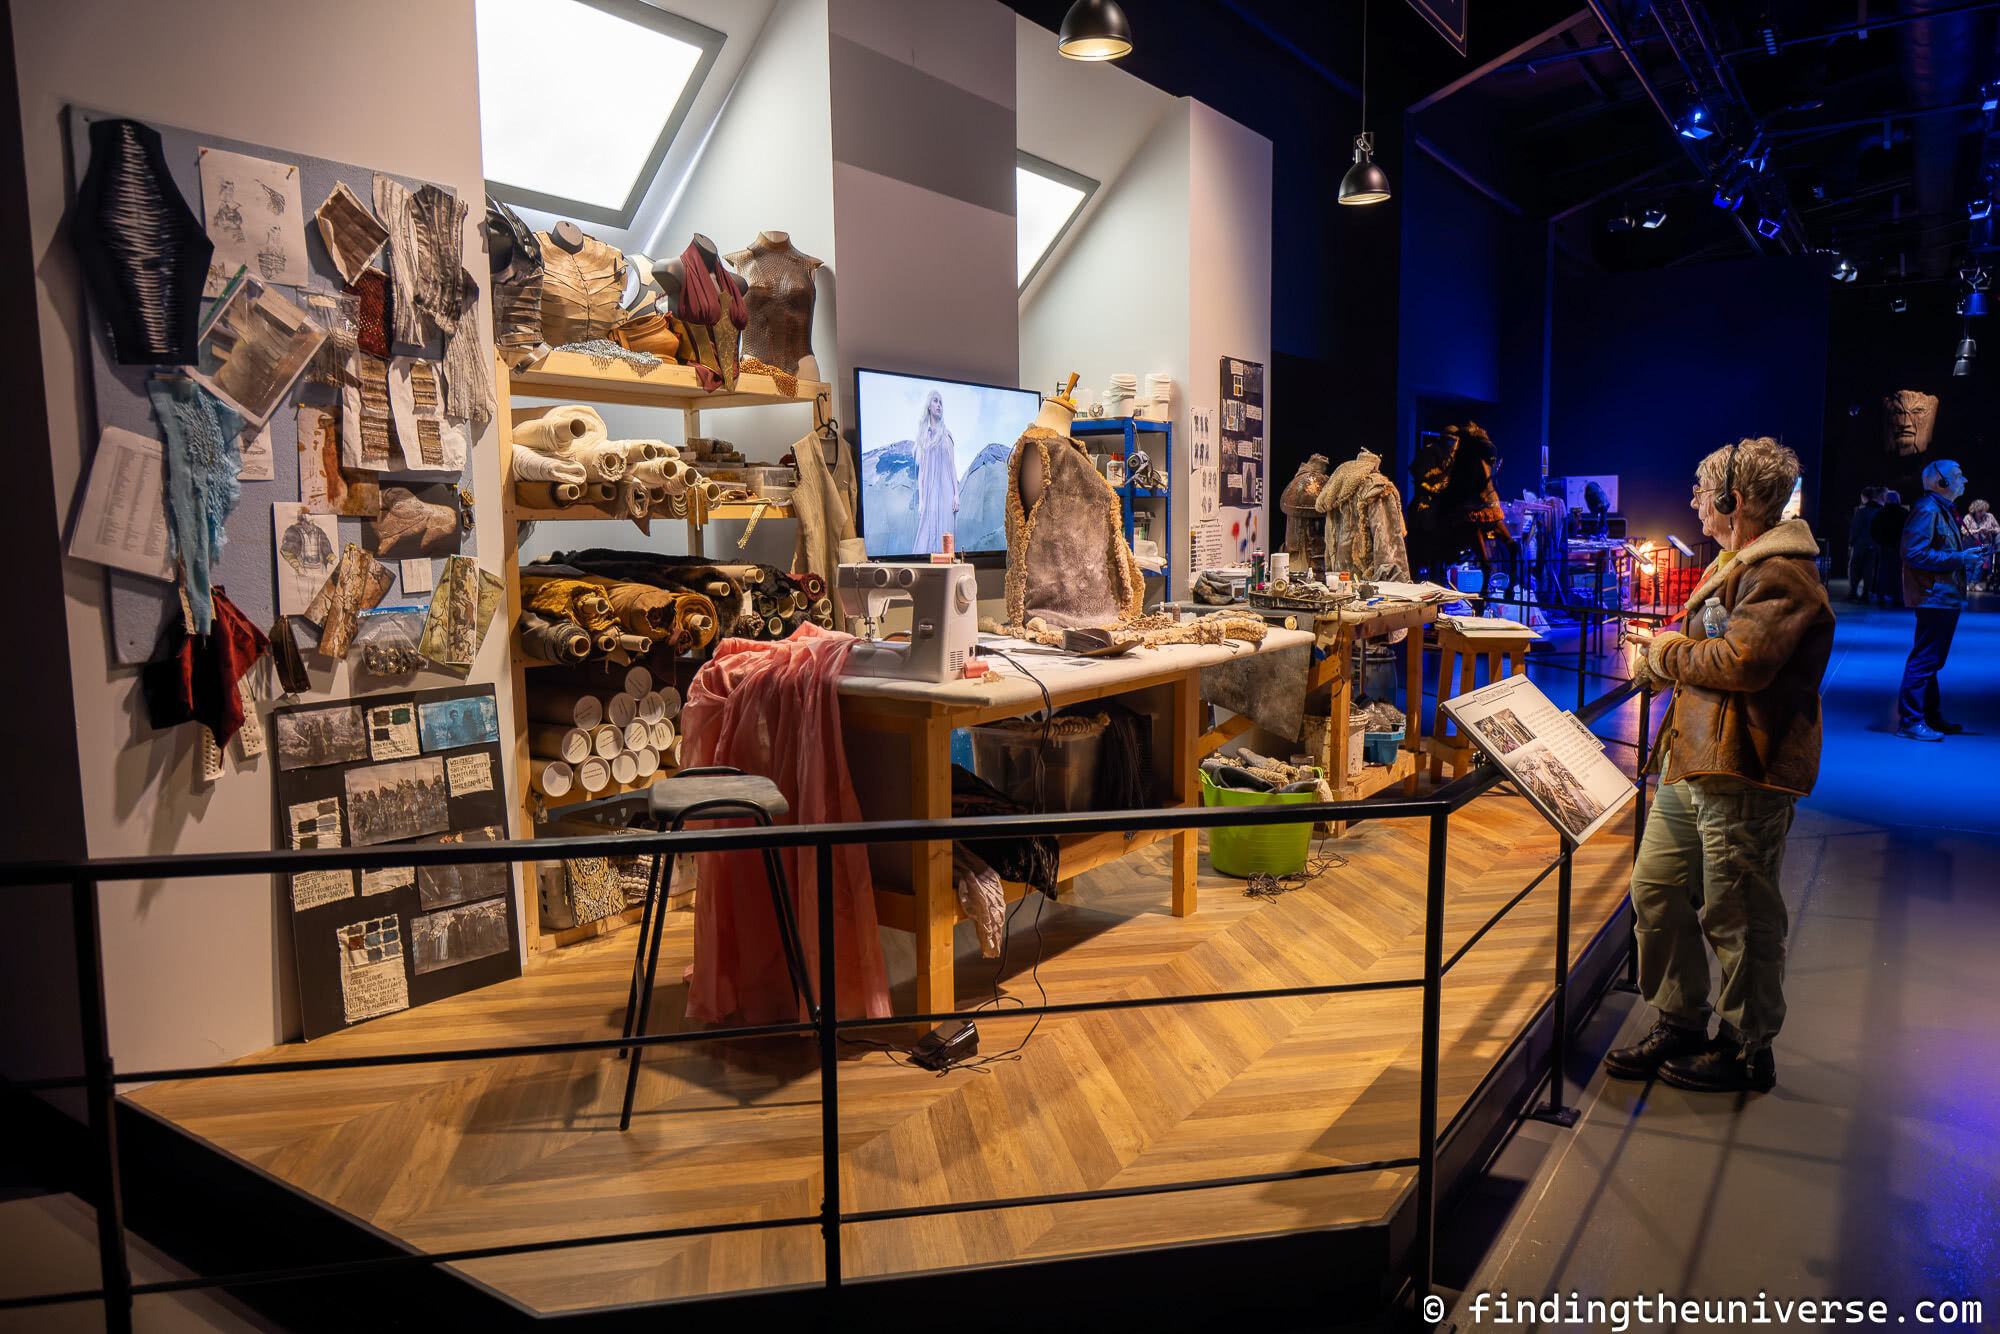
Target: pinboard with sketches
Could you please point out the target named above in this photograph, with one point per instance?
(418, 766)
(1556, 762)
(271, 216)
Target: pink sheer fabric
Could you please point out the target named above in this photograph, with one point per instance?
(773, 708)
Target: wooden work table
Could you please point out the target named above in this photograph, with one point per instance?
(898, 739)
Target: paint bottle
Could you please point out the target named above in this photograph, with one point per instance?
(1714, 618)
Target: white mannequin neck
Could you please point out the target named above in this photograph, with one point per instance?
(1055, 416)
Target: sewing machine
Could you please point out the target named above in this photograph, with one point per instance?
(944, 622)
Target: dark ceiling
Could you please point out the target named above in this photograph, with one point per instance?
(1854, 126)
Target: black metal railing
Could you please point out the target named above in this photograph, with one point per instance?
(99, 1079)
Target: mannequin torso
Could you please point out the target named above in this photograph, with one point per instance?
(778, 282)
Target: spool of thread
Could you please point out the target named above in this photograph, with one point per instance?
(670, 702)
(570, 744)
(624, 769)
(593, 775)
(638, 680)
(638, 736)
(553, 778)
(547, 495)
(648, 761)
(620, 710)
(663, 736)
(652, 708)
(607, 740)
(565, 706)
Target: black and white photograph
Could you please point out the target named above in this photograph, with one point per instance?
(406, 799)
(1559, 791)
(1506, 731)
(439, 886)
(459, 935)
(308, 738)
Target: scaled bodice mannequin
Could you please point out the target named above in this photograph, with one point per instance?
(582, 281)
(778, 279)
(144, 252)
(514, 255)
(706, 300)
(1068, 564)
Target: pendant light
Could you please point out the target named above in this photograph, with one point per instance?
(1094, 30)
(1365, 183)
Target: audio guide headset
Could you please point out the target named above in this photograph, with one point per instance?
(1725, 499)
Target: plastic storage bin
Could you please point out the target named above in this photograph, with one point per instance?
(1005, 757)
(1381, 747)
(1247, 850)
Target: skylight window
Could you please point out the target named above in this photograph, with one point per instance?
(1047, 199)
(579, 100)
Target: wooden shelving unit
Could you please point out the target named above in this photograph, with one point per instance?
(571, 377)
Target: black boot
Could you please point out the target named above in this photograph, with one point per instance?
(1643, 1059)
(1723, 1067)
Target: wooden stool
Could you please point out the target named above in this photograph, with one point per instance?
(1461, 653)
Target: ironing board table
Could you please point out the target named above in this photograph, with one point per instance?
(898, 739)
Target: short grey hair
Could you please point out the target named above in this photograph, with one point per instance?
(1765, 471)
(1934, 472)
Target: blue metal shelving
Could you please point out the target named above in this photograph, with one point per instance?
(1131, 428)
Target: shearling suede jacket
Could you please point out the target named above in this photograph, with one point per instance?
(1746, 704)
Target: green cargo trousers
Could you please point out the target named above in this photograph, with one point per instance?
(1707, 878)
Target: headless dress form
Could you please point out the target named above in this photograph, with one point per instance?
(1068, 565)
(779, 283)
(143, 251)
(707, 304)
(582, 281)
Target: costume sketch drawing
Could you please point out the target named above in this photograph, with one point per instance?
(253, 214)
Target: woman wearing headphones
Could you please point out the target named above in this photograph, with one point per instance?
(1739, 748)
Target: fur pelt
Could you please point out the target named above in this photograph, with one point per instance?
(1068, 564)
(1364, 521)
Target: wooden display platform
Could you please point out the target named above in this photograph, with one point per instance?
(441, 1156)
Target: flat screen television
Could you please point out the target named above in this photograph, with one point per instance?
(934, 460)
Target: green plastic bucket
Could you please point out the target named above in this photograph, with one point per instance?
(1247, 850)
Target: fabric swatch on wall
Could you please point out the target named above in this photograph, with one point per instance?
(416, 521)
(429, 440)
(359, 582)
(202, 461)
(374, 311)
(365, 426)
(143, 251)
(352, 234)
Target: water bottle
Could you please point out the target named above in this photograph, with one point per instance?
(1714, 619)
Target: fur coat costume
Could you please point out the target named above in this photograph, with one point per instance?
(1364, 521)
(1068, 564)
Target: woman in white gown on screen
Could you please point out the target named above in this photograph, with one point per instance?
(937, 478)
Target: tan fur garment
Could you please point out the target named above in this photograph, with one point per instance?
(1067, 559)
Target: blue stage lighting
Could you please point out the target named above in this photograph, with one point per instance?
(1975, 304)
(1695, 124)
(1768, 228)
(1729, 198)
(1978, 209)
(1653, 218)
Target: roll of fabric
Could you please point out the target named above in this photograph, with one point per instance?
(553, 639)
(572, 599)
(602, 462)
(547, 495)
(600, 493)
(633, 643)
(533, 466)
(668, 475)
(553, 778)
(643, 451)
(606, 640)
(635, 499)
(562, 431)
(569, 744)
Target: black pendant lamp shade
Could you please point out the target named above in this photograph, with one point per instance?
(1095, 30)
(1365, 182)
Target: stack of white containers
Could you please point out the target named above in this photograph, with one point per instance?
(587, 739)
(1158, 403)
(1118, 396)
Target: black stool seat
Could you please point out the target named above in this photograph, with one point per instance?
(670, 799)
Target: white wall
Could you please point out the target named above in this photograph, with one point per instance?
(1229, 298)
(199, 971)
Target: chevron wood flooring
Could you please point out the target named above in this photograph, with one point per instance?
(463, 1155)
